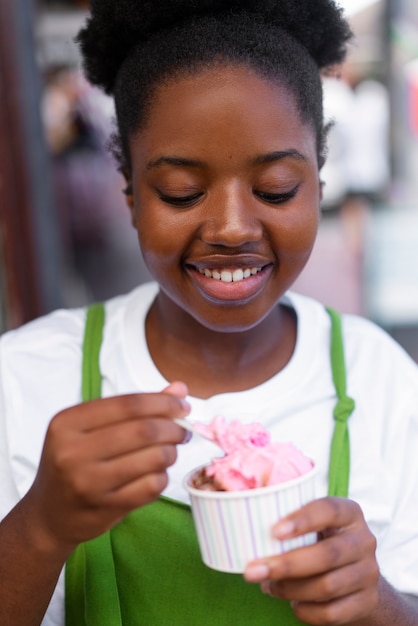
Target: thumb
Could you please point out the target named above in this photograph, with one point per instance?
(177, 389)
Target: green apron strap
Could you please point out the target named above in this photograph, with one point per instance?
(90, 598)
(339, 465)
(91, 378)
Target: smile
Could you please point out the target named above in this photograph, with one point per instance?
(230, 276)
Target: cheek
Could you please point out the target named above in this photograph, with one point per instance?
(297, 239)
(159, 241)
(308, 229)
(298, 232)
(164, 233)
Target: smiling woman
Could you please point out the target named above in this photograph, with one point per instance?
(221, 139)
(239, 190)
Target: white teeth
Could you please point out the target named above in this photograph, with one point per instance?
(237, 275)
(227, 276)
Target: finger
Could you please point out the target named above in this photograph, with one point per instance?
(328, 586)
(121, 439)
(298, 563)
(138, 492)
(324, 513)
(180, 390)
(154, 460)
(177, 388)
(335, 552)
(115, 505)
(348, 609)
(100, 413)
(99, 480)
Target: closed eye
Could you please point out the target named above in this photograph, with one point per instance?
(277, 198)
(182, 201)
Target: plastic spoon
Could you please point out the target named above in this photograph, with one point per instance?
(193, 429)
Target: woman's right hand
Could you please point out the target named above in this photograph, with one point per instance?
(102, 459)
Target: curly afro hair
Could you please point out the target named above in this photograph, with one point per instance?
(130, 47)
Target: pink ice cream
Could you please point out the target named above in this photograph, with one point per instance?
(250, 459)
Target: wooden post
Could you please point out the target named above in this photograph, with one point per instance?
(19, 264)
(28, 242)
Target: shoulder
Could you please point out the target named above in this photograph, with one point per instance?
(358, 331)
(60, 333)
(40, 352)
(39, 365)
(38, 362)
(45, 332)
(46, 353)
(42, 359)
(372, 356)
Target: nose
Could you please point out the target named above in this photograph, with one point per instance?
(231, 219)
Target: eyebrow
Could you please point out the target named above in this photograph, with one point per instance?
(176, 161)
(279, 155)
(270, 157)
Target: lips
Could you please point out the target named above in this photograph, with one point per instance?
(227, 282)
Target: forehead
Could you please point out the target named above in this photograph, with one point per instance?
(231, 108)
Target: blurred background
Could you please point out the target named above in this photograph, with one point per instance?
(65, 233)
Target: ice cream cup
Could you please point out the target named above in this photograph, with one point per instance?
(235, 527)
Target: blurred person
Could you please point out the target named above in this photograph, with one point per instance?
(355, 177)
(99, 245)
(358, 155)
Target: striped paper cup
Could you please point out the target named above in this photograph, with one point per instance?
(234, 527)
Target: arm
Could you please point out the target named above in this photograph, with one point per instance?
(30, 564)
(337, 580)
(411, 600)
(100, 460)
(392, 608)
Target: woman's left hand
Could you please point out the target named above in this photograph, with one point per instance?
(334, 581)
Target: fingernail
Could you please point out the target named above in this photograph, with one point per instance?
(283, 529)
(185, 405)
(266, 587)
(256, 573)
(187, 437)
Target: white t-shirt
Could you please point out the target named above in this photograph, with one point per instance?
(40, 374)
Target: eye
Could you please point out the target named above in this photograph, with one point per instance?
(277, 198)
(182, 201)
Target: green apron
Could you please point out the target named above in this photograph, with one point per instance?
(147, 571)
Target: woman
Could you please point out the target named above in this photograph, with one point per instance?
(221, 139)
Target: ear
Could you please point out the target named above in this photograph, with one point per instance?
(129, 195)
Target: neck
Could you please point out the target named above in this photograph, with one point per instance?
(212, 362)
